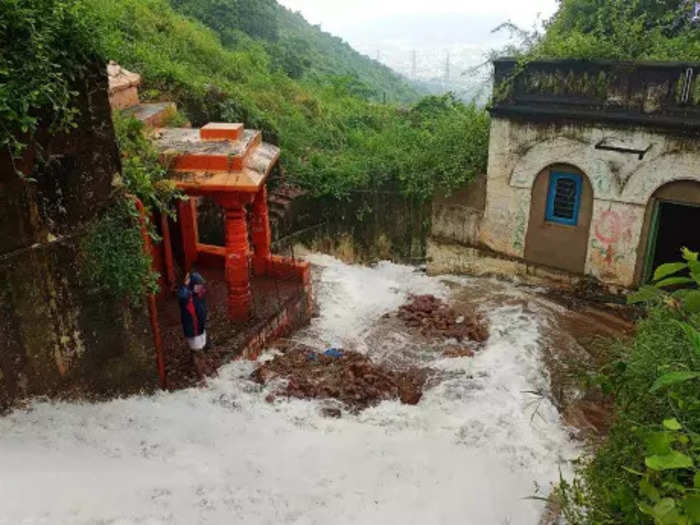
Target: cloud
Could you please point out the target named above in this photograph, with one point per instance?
(335, 15)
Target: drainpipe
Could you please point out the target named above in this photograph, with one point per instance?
(152, 308)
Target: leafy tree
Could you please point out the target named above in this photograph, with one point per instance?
(622, 29)
(293, 56)
(259, 18)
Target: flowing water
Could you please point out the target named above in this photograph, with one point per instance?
(475, 450)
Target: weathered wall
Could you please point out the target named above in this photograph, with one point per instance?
(622, 185)
(368, 227)
(457, 217)
(57, 334)
(364, 228)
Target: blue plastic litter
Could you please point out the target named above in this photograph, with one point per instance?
(333, 352)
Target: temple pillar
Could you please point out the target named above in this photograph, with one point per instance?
(188, 229)
(237, 271)
(167, 249)
(262, 236)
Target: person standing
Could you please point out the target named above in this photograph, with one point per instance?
(193, 311)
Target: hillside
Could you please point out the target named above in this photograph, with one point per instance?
(296, 47)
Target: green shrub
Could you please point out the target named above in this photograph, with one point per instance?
(114, 257)
(143, 174)
(647, 469)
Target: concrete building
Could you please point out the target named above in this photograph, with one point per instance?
(594, 170)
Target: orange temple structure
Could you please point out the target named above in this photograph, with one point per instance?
(230, 165)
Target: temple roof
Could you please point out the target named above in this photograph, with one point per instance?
(216, 158)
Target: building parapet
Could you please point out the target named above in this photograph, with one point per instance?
(659, 95)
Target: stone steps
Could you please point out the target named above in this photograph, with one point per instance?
(153, 114)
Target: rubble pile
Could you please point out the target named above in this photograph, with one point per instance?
(434, 318)
(347, 376)
(458, 351)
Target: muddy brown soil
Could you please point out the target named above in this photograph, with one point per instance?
(574, 349)
(576, 332)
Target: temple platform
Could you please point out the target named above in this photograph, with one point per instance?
(279, 307)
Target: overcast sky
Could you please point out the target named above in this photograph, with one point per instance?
(419, 37)
(337, 16)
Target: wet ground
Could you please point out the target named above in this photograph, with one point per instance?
(485, 437)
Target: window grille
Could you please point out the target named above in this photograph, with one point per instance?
(564, 198)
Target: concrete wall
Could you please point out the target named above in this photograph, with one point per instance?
(457, 217)
(57, 334)
(622, 186)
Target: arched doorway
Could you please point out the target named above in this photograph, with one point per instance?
(672, 222)
(560, 219)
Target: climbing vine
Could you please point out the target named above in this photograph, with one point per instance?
(143, 174)
(115, 259)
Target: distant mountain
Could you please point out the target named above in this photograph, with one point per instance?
(300, 49)
(438, 51)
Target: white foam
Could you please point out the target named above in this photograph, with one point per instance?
(470, 452)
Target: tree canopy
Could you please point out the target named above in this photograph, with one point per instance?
(622, 30)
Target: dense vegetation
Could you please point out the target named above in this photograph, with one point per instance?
(622, 30)
(648, 470)
(295, 47)
(44, 45)
(306, 90)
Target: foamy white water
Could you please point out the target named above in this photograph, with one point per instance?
(474, 448)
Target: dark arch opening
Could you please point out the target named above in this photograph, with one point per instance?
(671, 223)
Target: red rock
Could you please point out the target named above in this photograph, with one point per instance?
(352, 378)
(434, 318)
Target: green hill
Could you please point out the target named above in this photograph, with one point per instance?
(296, 47)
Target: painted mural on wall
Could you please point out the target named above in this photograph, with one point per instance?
(612, 251)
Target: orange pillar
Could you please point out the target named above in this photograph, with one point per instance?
(188, 228)
(167, 248)
(260, 227)
(237, 272)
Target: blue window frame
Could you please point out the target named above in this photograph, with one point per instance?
(564, 198)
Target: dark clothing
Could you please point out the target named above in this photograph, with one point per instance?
(193, 311)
